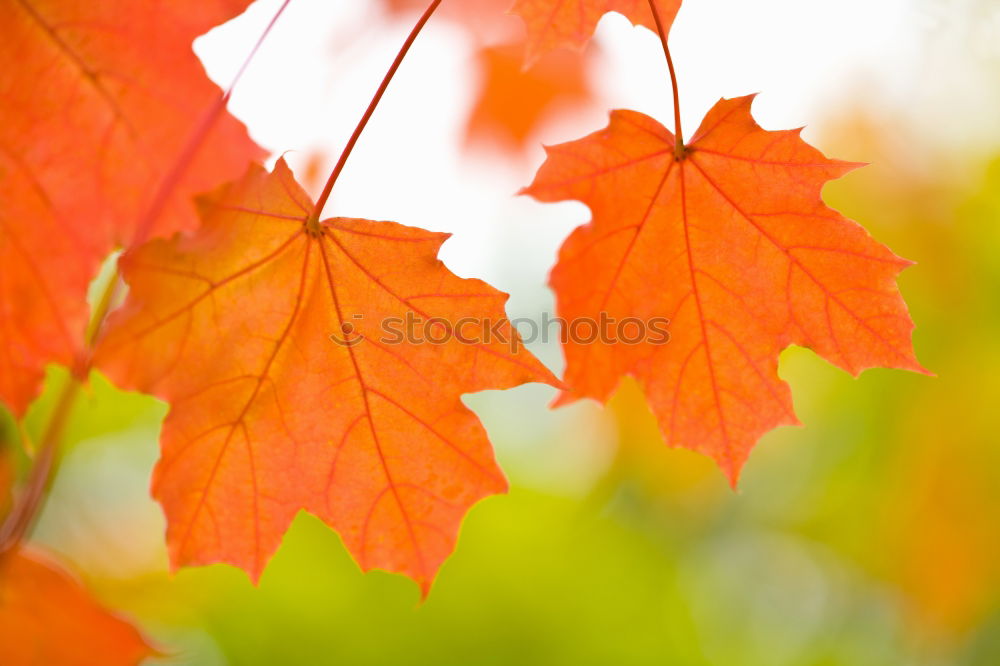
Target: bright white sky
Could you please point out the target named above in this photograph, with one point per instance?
(808, 58)
(316, 73)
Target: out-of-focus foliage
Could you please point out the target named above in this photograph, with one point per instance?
(513, 99)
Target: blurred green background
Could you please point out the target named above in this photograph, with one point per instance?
(871, 536)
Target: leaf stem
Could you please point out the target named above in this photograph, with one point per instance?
(23, 514)
(678, 133)
(190, 150)
(321, 202)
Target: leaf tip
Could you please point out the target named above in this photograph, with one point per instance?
(564, 398)
(851, 166)
(732, 471)
(918, 367)
(556, 383)
(743, 100)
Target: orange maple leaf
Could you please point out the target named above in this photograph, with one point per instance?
(264, 332)
(47, 617)
(513, 101)
(734, 245)
(97, 103)
(553, 24)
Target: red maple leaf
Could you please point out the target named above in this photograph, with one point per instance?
(266, 332)
(87, 158)
(733, 244)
